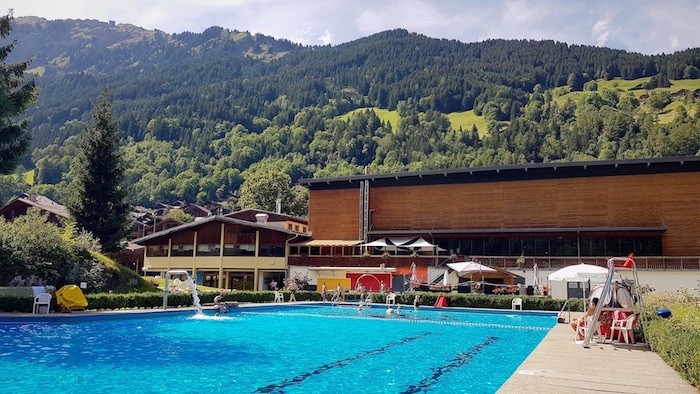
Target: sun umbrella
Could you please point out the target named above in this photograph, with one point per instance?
(535, 278)
(444, 279)
(469, 267)
(580, 273)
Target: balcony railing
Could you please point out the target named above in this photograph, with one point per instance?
(505, 262)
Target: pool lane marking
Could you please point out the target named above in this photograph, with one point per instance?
(459, 360)
(338, 363)
(404, 319)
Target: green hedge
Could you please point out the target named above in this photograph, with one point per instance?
(108, 301)
(677, 345)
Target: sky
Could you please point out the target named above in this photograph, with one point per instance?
(650, 27)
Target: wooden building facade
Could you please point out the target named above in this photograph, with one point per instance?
(553, 213)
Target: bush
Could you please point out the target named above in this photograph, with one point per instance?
(677, 345)
(676, 340)
(110, 301)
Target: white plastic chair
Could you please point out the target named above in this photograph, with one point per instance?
(390, 299)
(279, 297)
(583, 329)
(43, 299)
(517, 303)
(625, 329)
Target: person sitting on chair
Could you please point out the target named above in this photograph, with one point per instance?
(589, 312)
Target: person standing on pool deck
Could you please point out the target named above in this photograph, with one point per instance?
(293, 290)
(324, 289)
(416, 302)
(220, 304)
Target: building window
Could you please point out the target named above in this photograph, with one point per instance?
(241, 281)
(182, 250)
(157, 251)
(208, 250)
(239, 249)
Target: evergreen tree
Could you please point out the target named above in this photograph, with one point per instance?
(15, 97)
(97, 196)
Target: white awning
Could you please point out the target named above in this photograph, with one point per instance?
(380, 243)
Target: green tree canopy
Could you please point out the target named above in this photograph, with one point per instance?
(97, 196)
(262, 188)
(15, 96)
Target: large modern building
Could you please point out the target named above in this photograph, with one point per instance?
(511, 217)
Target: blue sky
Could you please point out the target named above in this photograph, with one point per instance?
(644, 26)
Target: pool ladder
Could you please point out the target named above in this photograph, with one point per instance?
(568, 308)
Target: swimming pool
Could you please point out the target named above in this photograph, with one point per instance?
(301, 349)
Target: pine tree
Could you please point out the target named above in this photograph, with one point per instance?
(97, 195)
(15, 97)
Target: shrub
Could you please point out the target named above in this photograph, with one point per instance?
(677, 339)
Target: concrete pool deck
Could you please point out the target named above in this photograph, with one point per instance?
(560, 365)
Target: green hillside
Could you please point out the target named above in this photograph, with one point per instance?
(666, 115)
(464, 120)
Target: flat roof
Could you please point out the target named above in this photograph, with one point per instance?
(530, 171)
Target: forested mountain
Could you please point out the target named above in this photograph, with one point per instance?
(204, 112)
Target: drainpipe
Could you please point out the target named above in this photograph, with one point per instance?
(286, 254)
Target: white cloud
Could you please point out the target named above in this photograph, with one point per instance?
(601, 30)
(326, 38)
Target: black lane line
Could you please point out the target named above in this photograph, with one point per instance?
(338, 363)
(459, 360)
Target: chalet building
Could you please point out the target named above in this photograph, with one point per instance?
(224, 251)
(508, 217)
(20, 204)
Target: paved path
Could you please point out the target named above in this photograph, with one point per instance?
(559, 365)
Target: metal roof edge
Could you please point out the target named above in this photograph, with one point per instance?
(524, 167)
(533, 230)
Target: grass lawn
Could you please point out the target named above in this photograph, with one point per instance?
(465, 119)
(29, 177)
(383, 114)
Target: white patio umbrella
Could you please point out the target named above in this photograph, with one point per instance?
(535, 278)
(444, 279)
(469, 267)
(580, 273)
(466, 268)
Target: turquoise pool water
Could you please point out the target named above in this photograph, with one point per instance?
(305, 349)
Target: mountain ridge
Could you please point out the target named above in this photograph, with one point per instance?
(228, 103)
